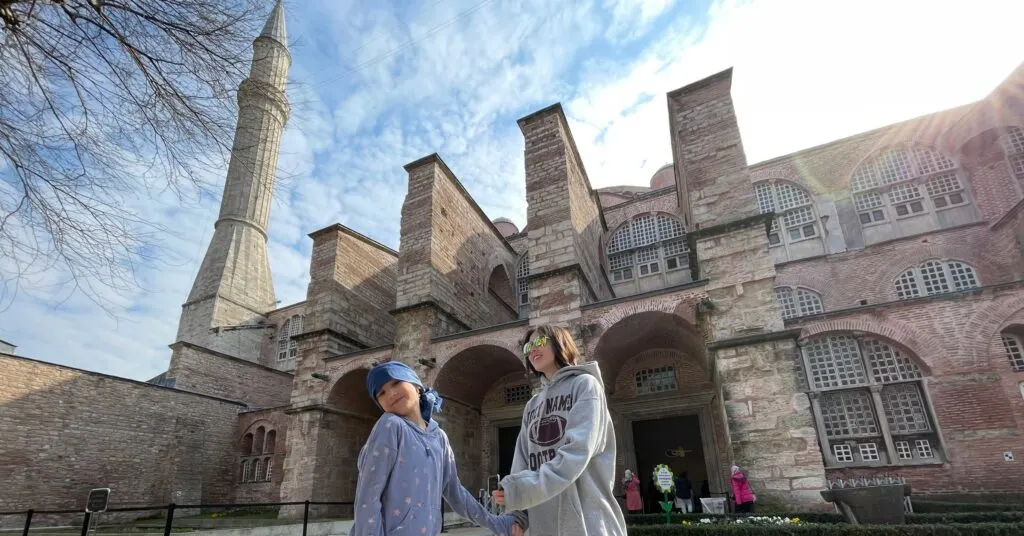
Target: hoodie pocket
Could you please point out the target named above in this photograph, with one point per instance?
(409, 521)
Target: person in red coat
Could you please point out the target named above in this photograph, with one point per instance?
(744, 498)
(634, 504)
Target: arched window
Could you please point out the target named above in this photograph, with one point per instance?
(655, 380)
(258, 439)
(269, 464)
(793, 208)
(1014, 349)
(798, 302)
(268, 445)
(1013, 148)
(523, 281)
(257, 471)
(936, 277)
(646, 245)
(287, 347)
(868, 395)
(247, 442)
(905, 181)
(244, 472)
(518, 394)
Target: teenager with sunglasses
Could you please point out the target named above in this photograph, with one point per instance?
(563, 471)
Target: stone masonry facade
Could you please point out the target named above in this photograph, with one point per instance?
(850, 309)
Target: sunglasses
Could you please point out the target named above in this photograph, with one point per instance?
(539, 342)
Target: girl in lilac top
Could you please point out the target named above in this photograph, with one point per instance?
(407, 464)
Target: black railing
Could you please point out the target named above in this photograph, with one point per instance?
(168, 511)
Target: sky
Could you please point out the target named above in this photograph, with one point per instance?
(376, 85)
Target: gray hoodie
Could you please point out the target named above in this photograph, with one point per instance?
(564, 467)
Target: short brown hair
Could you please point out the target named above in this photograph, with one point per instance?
(566, 352)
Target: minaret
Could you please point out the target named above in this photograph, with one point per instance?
(234, 286)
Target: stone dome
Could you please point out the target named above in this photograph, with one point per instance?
(663, 178)
(505, 226)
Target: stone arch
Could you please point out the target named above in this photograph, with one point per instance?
(464, 380)
(500, 284)
(923, 349)
(348, 394)
(634, 334)
(981, 331)
(467, 375)
(968, 140)
(907, 144)
(885, 274)
(347, 420)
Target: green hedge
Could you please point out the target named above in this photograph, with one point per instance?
(835, 529)
(819, 517)
(923, 506)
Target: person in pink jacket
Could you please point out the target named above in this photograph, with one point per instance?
(634, 504)
(744, 498)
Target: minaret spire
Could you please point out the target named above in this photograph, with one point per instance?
(234, 285)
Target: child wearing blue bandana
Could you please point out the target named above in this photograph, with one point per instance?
(407, 464)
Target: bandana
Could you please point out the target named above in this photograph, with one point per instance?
(430, 400)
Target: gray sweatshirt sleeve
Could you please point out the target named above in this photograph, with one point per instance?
(463, 502)
(585, 430)
(376, 460)
(519, 464)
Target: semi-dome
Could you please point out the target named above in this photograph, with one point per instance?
(505, 226)
(663, 178)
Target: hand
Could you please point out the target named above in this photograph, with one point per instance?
(499, 497)
(517, 530)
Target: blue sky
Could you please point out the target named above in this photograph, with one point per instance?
(376, 85)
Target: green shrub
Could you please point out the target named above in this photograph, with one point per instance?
(819, 517)
(833, 529)
(923, 506)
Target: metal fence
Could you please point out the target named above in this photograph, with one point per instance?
(166, 514)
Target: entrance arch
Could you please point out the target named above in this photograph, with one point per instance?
(348, 417)
(663, 397)
(477, 416)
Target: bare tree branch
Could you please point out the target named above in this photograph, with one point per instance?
(105, 104)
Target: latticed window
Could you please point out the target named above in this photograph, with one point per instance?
(798, 302)
(894, 184)
(646, 245)
(1014, 350)
(793, 207)
(287, 347)
(523, 280)
(935, 277)
(518, 394)
(1013, 147)
(868, 390)
(655, 380)
(269, 464)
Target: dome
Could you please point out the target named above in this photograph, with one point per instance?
(505, 226)
(663, 178)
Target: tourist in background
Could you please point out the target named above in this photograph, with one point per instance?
(684, 494)
(563, 471)
(743, 497)
(407, 464)
(634, 503)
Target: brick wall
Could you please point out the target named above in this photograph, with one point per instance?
(565, 227)
(974, 392)
(708, 152)
(661, 201)
(449, 249)
(67, 431)
(197, 370)
(870, 274)
(462, 425)
(198, 317)
(274, 423)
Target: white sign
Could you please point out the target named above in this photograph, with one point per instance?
(663, 478)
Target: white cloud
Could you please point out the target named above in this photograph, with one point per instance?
(376, 88)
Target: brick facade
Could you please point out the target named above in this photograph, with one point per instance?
(67, 431)
(719, 346)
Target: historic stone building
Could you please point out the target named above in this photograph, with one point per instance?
(852, 308)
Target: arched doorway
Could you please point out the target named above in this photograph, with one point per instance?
(664, 400)
(484, 391)
(348, 418)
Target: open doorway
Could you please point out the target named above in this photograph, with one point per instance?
(673, 441)
(507, 437)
